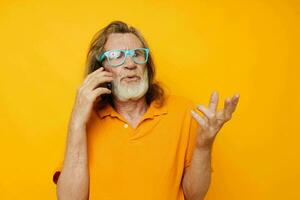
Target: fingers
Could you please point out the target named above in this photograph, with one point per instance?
(235, 100)
(98, 91)
(95, 82)
(213, 103)
(225, 114)
(206, 111)
(212, 107)
(97, 77)
(230, 106)
(95, 74)
(199, 119)
(89, 88)
(88, 77)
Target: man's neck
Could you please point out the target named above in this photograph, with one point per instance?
(132, 110)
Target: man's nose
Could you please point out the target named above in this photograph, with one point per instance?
(129, 64)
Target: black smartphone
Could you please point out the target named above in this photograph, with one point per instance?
(108, 85)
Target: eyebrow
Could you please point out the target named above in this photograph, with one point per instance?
(124, 49)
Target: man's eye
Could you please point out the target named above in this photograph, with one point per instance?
(138, 53)
(114, 54)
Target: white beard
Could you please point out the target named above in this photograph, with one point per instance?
(132, 90)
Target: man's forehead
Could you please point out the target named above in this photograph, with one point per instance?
(122, 41)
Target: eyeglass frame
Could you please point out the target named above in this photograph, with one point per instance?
(127, 52)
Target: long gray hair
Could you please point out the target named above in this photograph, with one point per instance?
(155, 91)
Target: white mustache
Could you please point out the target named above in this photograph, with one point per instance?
(129, 75)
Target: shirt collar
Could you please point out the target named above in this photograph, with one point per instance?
(152, 111)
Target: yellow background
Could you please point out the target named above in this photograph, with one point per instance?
(250, 47)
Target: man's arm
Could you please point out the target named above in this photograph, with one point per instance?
(73, 182)
(197, 176)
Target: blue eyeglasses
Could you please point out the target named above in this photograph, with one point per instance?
(116, 58)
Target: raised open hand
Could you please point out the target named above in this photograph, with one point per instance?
(213, 121)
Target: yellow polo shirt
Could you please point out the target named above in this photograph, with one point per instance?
(142, 163)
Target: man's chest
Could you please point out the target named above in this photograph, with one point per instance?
(156, 148)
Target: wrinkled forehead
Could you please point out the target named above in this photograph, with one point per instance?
(122, 41)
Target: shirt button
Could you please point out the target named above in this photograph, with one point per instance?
(125, 125)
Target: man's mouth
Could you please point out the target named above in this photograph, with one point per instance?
(130, 78)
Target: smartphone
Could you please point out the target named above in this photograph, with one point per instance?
(108, 85)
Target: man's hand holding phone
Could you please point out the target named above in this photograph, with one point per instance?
(88, 92)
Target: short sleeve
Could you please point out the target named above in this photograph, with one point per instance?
(192, 138)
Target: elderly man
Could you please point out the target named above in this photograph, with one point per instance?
(128, 139)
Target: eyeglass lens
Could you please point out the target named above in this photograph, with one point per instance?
(117, 57)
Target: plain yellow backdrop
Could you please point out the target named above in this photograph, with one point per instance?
(250, 47)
